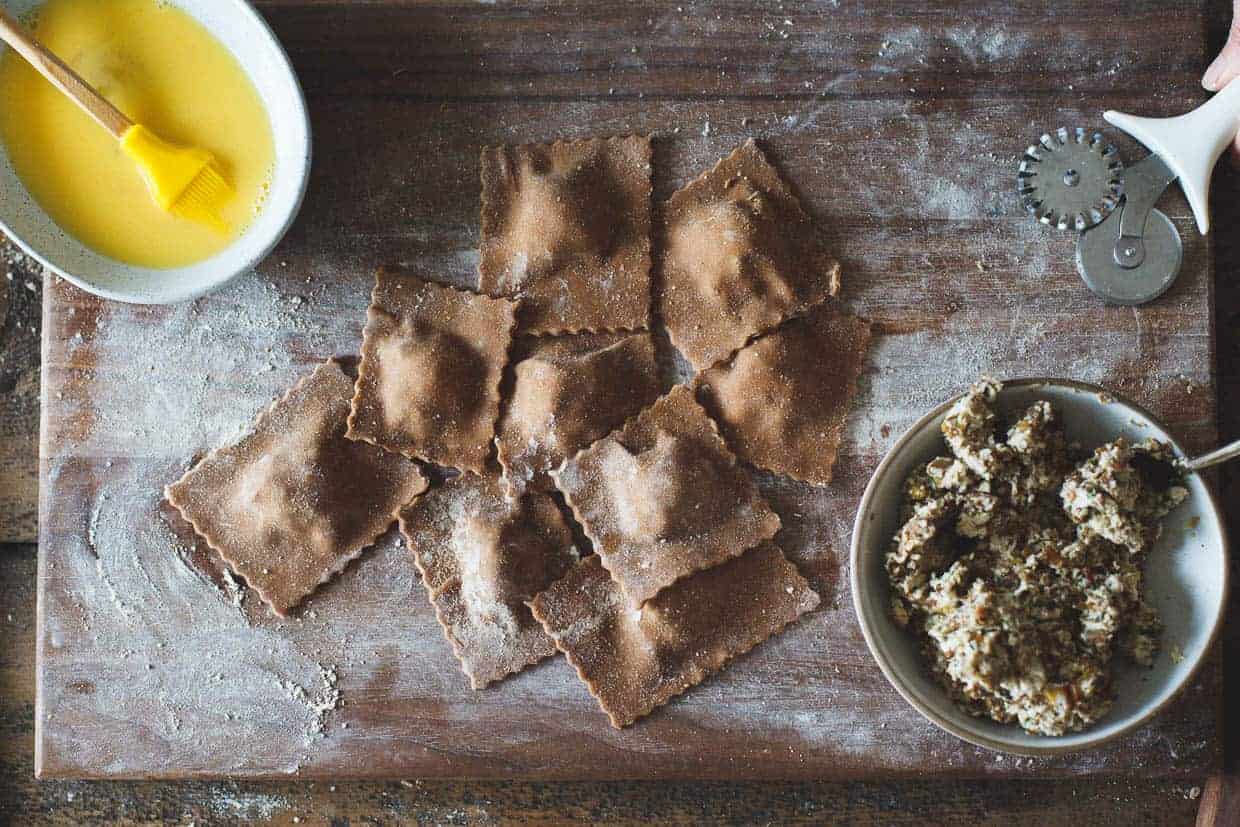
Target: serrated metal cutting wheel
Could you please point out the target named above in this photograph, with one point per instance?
(1071, 179)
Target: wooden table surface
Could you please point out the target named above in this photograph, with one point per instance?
(1155, 801)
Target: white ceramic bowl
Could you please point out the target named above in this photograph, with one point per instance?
(244, 32)
(1186, 575)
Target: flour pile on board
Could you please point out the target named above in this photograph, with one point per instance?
(325, 699)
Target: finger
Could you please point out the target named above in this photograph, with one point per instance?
(1226, 67)
(1235, 152)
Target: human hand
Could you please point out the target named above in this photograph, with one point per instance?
(1226, 67)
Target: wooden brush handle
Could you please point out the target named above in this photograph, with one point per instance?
(62, 77)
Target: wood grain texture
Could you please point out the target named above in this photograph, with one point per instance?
(1018, 803)
(900, 131)
(22, 288)
(1224, 791)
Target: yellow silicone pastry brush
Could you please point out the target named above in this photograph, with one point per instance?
(184, 181)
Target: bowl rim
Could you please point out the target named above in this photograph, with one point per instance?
(1050, 748)
(302, 170)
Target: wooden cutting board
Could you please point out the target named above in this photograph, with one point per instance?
(900, 126)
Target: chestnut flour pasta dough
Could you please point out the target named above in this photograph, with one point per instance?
(685, 574)
(740, 257)
(432, 358)
(566, 228)
(294, 501)
(568, 392)
(636, 658)
(782, 400)
(481, 556)
(663, 497)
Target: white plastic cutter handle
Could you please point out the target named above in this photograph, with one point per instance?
(1190, 144)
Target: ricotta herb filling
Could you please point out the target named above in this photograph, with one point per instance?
(1018, 563)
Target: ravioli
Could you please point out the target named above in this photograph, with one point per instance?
(634, 659)
(568, 392)
(782, 402)
(482, 556)
(664, 497)
(566, 228)
(291, 503)
(432, 359)
(740, 257)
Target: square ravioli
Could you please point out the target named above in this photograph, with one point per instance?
(566, 228)
(291, 503)
(664, 497)
(570, 391)
(740, 256)
(634, 659)
(782, 401)
(482, 555)
(432, 359)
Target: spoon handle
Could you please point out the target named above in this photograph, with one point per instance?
(62, 77)
(1230, 451)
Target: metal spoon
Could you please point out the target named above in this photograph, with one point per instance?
(1229, 451)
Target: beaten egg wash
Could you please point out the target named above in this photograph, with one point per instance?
(164, 70)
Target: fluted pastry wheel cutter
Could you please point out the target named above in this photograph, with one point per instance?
(1128, 252)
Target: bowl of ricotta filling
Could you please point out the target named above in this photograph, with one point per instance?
(1033, 568)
